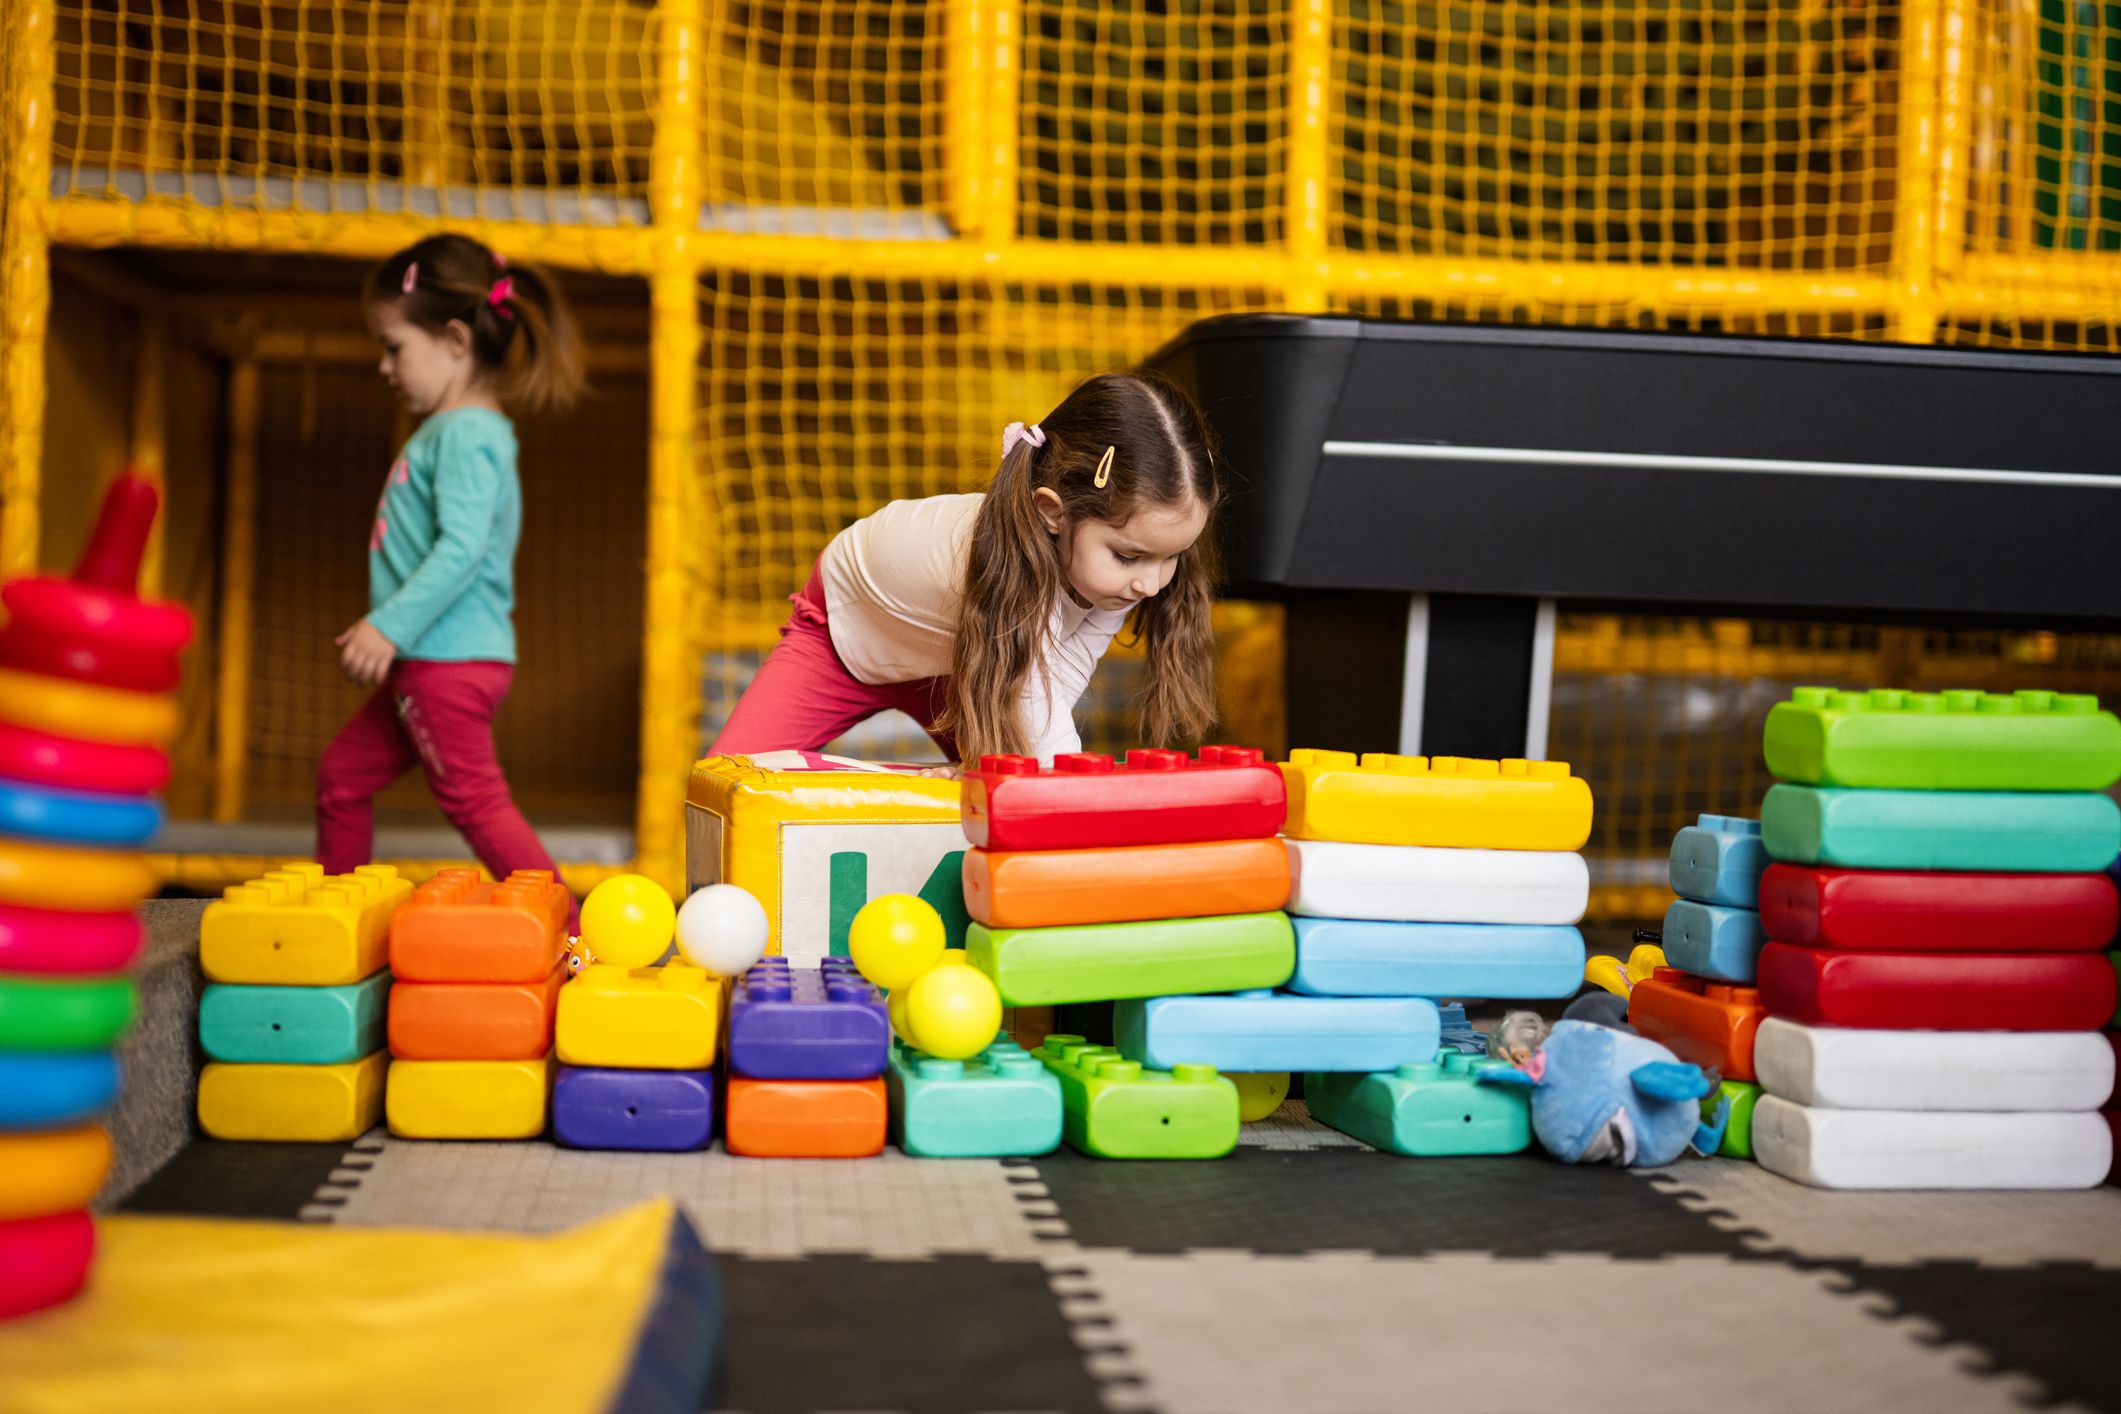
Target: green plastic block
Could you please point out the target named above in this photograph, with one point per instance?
(1112, 961)
(999, 1104)
(1117, 1110)
(1427, 1111)
(1738, 1132)
(1959, 740)
(2054, 833)
(293, 1025)
(65, 1013)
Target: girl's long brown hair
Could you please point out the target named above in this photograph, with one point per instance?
(526, 338)
(1161, 457)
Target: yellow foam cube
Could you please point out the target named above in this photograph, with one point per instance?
(299, 927)
(46, 1171)
(469, 1099)
(1450, 802)
(296, 1104)
(651, 1018)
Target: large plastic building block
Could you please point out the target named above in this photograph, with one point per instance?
(38, 1091)
(474, 1020)
(455, 929)
(1718, 859)
(1448, 801)
(1412, 884)
(1957, 740)
(1460, 1034)
(51, 1170)
(1342, 958)
(1107, 961)
(1711, 941)
(806, 1119)
(1000, 1104)
(651, 1110)
(468, 1099)
(1958, 830)
(1847, 1068)
(313, 1104)
(292, 1025)
(65, 1013)
(1433, 1109)
(652, 1018)
(55, 876)
(1829, 1148)
(54, 940)
(1741, 1096)
(1704, 1023)
(1116, 1109)
(1277, 1031)
(1049, 888)
(807, 1023)
(1899, 991)
(2112, 1116)
(1877, 910)
(298, 928)
(76, 816)
(1087, 801)
(43, 1261)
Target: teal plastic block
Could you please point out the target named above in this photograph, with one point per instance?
(1114, 1109)
(2059, 833)
(293, 1025)
(1001, 1103)
(1432, 1110)
(1959, 740)
(1718, 860)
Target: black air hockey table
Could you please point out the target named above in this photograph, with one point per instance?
(1421, 495)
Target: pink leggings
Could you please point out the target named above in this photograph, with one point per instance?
(803, 696)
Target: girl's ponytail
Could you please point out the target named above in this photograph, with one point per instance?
(548, 374)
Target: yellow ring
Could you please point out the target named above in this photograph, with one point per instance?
(86, 712)
(51, 1170)
(83, 880)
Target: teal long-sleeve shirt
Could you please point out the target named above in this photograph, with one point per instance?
(441, 558)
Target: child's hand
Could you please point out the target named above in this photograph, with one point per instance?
(365, 655)
(948, 771)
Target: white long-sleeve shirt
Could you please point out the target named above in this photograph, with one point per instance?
(892, 584)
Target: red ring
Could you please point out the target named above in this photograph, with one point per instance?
(43, 1261)
(66, 763)
(124, 622)
(51, 940)
(28, 650)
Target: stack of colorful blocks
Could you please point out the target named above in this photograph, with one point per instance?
(1935, 984)
(807, 1051)
(637, 1049)
(477, 970)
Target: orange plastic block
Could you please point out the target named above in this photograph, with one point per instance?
(1452, 802)
(1704, 1022)
(805, 1119)
(456, 929)
(1051, 888)
(474, 1020)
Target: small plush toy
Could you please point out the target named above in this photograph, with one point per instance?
(1601, 1094)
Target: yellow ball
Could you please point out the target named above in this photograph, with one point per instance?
(628, 920)
(1260, 1094)
(895, 1004)
(954, 1012)
(894, 939)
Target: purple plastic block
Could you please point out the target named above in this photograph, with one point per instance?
(594, 1108)
(823, 1023)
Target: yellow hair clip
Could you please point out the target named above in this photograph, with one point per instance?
(1104, 468)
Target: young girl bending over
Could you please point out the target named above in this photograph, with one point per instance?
(982, 616)
(461, 330)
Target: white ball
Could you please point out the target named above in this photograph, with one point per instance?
(723, 929)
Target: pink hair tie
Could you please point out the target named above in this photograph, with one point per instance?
(1016, 432)
(412, 277)
(501, 292)
(500, 261)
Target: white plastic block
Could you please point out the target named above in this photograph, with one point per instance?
(1850, 1069)
(1928, 1149)
(1416, 884)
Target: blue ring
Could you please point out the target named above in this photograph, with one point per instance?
(77, 817)
(37, 1091)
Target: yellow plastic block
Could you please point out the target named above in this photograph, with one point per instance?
(1452, 802)
(651, 1018)
(469, 1099)
(296, 1104)
(45, 1171)
(298, 927)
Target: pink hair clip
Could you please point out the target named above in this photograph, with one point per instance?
(1016, 432)
(412, 277)
(500, 293)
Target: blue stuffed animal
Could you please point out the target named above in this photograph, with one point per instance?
(1605, 1095)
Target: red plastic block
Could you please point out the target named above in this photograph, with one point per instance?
(43, 1261)
(1706, 1023)
(474, 1020)
(455, 929)
(1158, 797)
(805, 1119)
(1890, 910)
(1938, 991)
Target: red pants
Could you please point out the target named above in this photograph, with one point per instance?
(439, 717)
(803, 696)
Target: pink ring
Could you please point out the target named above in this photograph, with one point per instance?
(120, 621)
(67, 763)
(31, 650)
(49, 940)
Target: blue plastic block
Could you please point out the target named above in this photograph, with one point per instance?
(1460, 1034)
(1722, 944)
(1999, 831)
(1425, 1111)
(807, 1023)
(77, 817)
(1276, 1031)
(1718, 860)
(1339, 958)
(39, 1091)
(1000, 1104)
(293, 1025)
(650, 1110)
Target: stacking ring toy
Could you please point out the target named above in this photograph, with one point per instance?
(105, 714)
(51, 1170)
(65, 1014)
(85, 880)
(51, 940)
(77, 817)
(69, 763)
(43, 1261)
(39, 1092)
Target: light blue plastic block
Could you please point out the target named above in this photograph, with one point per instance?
(2049, 833)
(293, 1025)
(1277, 1031)
(1337, 957)
(1432, 1110)
(1000, 1104)
(1718, 860)
(1722, 944)
(41, 1090)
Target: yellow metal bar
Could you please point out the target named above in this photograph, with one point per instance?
(964, 114)
(238, 564)
(1956, 52)
(2054, 286)
(999, 96)
(1916, 213)
(1310, 74)
(1584, 282)
(146, 447)
(25, 276)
